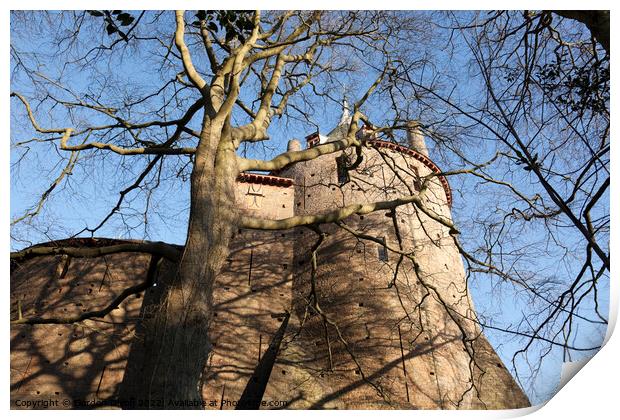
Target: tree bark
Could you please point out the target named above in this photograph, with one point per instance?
(165, 370)
(597, 22)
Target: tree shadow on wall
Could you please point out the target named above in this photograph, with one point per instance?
(374, 355)
(72, 363)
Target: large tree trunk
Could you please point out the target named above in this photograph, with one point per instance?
(165, 369)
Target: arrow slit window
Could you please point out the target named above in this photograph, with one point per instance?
(382, 250)
(343, 173)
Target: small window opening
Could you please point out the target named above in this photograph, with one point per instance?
(382, 250)
(343, 173)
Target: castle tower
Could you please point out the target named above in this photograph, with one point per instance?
(415, 138)
(393, 332)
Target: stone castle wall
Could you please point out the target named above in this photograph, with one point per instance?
(76, 362)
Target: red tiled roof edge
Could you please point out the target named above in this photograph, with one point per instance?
(406, 150)
(419, 157)
(264, 179)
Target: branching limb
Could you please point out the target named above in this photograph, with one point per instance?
(344, 212)
(162, 149)
(190, 70)
(65, 172)
(122, 195)
(288, 158)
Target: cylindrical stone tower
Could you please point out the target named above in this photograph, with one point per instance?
(415, 138)
(398, 328)
(293, 145)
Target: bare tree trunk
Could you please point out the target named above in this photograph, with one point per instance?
(166, 370)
